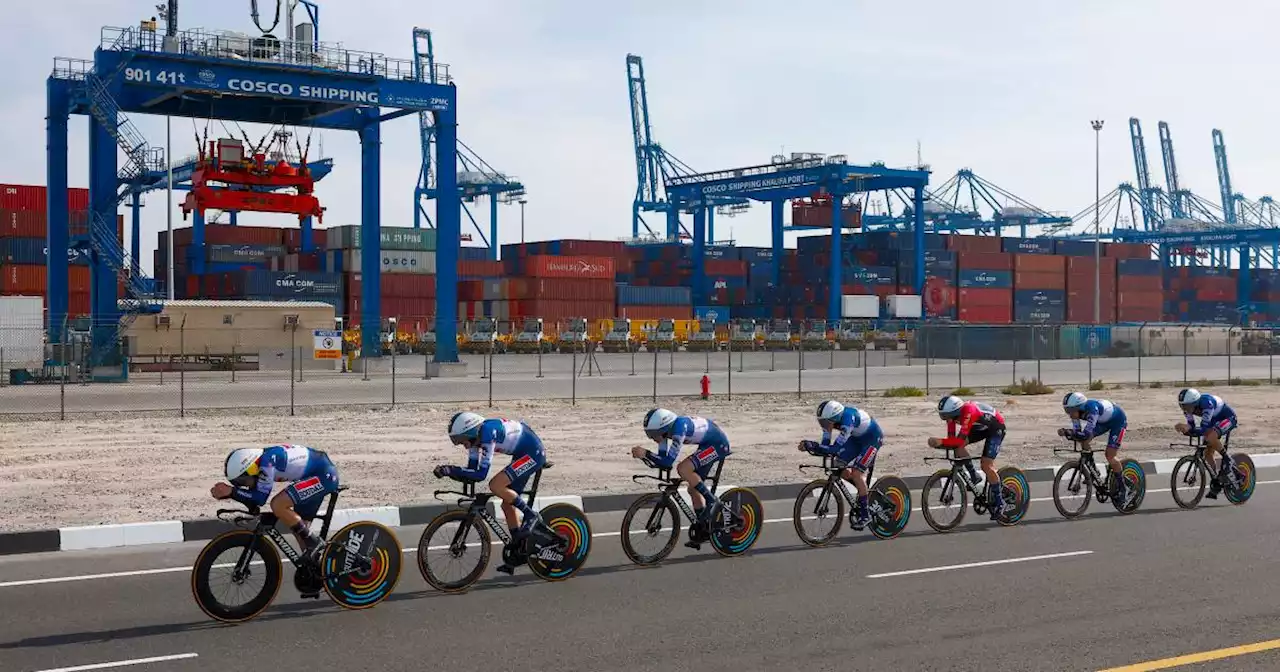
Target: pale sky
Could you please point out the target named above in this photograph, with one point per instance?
(1005, 87)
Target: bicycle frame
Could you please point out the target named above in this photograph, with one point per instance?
(1197, 444)
(1086, 464)
(266, 527)
(477, 506)
(669, 487)
(835, 476)
(958, 473)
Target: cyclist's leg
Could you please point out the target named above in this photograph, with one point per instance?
(962, 453)
(508, 485)
(862, 457)
(1115, 437)
(695, 469)
(990, 450)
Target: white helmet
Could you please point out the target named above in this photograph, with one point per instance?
(465, 425)
(242, 462)
(1074, 400)
(1188, 396)
(830, 410)
(658, 422)
(949, 406)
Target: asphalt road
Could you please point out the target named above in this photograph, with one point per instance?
(671, 377)
(1089, 594)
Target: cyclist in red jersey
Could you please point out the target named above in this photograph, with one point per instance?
(970, 422)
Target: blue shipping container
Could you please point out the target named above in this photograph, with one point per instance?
(1073, 248)
(1027, 245)
(870, 275)
(477, 253)
(280, 284)
(1039, 314)
(753, 255)
(32, 251)
(988, 279)
(1138, 267)
(716, 314)
(1206, 272)
(900, 241)
(631, 295)
(1039, 297)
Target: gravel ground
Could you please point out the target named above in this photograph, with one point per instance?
(112, 468)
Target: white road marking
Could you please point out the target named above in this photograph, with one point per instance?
(172, 570)
(988, 563)
(123, 663)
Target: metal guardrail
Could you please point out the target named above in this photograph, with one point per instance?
(241, 47)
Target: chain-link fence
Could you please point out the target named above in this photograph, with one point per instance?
(177, 369)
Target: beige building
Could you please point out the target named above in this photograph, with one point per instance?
(262, 328)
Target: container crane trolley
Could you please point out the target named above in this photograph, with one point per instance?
(226, 179)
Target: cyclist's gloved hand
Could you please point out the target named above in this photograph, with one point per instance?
(1065, 433)
(809, 446)
(442, 471)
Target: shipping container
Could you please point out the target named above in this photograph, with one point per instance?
(243, 253)
(631, 295)
(656, 312)
(393, 261)
(24, 279)
(479, 269)
(713, 314)
(1040, 314)
(1083, 265)
(293, 239)
(35, 198)
(1082, 313)
(1039, 263)
(978, 297)
(973, 244)
(1139, 314)
(33, 251)
(1128, 250)
(390, 238)
(1125, 266)
(985, 315)
(566, 289)
(985, 261)
(224, 234)
(1033, 280)
(859, 306)
(540, 266)
(988, 279)
(284, 285)
(725, 267)
(1039, 297)
(1040, 246)
(754, 255)
(550, 309)
(473, 254)
(1075, 248)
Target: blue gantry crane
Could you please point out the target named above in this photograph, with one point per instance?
(476, 178)
(655, 167)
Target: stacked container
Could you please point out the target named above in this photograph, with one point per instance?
(1139, 290)
(402, 252)
(24, 228)
(985, 282)
(1081, 271)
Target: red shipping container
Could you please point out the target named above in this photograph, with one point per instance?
(1140, 283)
(78, 278)
(985, 314)
(225, 234)
(406, 309)
(406, 285)
(1032, 280)
(560, 289)
(479, 269)
(35, 198)
(1217, 294)
(975, 244)
(1039, 263)
(1083, 314)
(985, 297)
(1082, 265)
(292, 238)
(656, 312)
(725, 267)
(1139, 314)
(1084, 284)
(541, 266)
(28, 280)
(985, 261)
(470, 290)
(1127, 250)
(1128, 299)
(78, 304)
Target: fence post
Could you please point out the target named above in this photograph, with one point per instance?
(925, 347)
(182, 368)
(1185, 336)
(960, 356)
(4, 375)
(1271, 358)
(426, 365)
(864, 374)
(729, 364)
(293, 363)
(1230, 330)
(772, 359)
(233, 363)
(491, 347)
(573, 376)
(800, 371)
(393, 371)
(708, 366)
(540, 347)
(655, 374)
(1140, 342)
(62, 384)
(633, 358)
(672, 370)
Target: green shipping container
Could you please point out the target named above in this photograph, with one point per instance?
(393, 238)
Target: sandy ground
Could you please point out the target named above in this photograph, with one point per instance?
(110, 468)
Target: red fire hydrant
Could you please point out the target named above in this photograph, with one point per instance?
(706, 387)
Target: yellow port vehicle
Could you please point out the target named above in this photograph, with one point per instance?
(620, 338)
(816, 337)
(662, 337)
(482, 338)
(779, 335)
(531, 337)
(574, 336)
(745, 335)
(704, 339)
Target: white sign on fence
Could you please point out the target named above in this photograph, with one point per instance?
(328, 344)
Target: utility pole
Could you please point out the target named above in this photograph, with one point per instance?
(1097, 226)
(522, 202)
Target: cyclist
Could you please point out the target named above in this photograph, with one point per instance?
(1217, 419)
(310, 473)
(970, 422)
(672, 431)
(853, 437)
(1094, 417)
(483, 437)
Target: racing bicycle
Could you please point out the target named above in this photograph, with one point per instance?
(1193, 472)
(889, 502)
(952, 483)
(358, 567)
(555, 549)
(734, 529)
(1083, 476)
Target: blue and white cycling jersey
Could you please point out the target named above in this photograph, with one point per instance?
(308, 468)
(498, 435)
(854, 423)
(1213, 412)
(1098, 417)
(693, 430)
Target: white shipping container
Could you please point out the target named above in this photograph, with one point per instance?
(856, 305)
(21, 332)
(394, 261)
(905, 305)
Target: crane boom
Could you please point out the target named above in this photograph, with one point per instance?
(1171, 171)
(1224, 177)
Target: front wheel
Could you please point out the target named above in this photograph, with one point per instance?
(890, 503)
(740, 519)
(822, 506)
(1072, 490)
(560, 560)
(1246, 479)
(453, 551)
(236, 576)
(1187, 482)
(650, 529)
(361, 564)
(944, 500)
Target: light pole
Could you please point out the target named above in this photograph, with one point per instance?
(522, 202)
(1097, 226)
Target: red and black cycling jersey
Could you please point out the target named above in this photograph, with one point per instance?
(975, 422)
